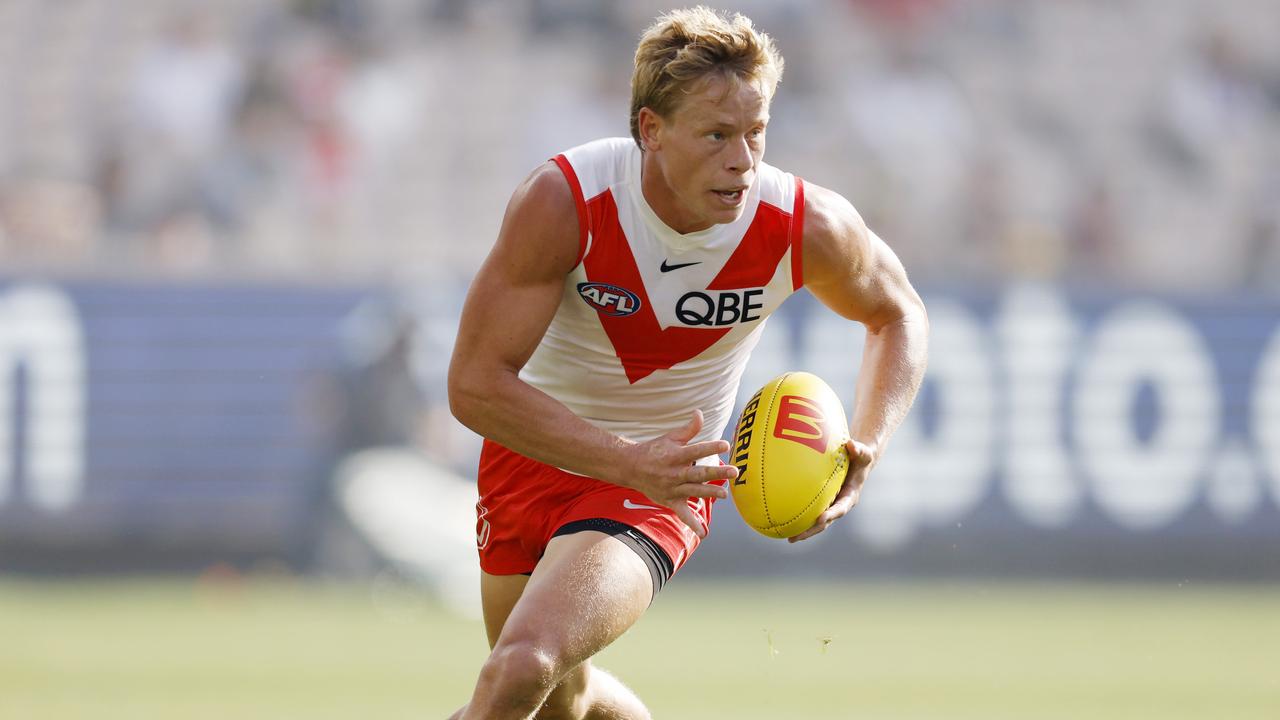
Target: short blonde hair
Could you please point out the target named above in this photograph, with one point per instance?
(684, 46)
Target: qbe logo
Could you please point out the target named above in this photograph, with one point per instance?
(609, 299)
(724, 308)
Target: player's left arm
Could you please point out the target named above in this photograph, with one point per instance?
(853, 272)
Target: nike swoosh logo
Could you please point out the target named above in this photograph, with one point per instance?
(634, 506)
(668, 268)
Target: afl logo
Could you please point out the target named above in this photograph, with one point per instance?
(609, 299)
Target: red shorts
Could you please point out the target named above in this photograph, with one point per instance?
(524, 502)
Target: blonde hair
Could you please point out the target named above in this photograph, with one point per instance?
(685, 46)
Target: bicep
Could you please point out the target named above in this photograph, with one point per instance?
(503, 319)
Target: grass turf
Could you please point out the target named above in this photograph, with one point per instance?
(774, 649)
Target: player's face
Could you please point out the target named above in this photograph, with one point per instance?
(707, 153)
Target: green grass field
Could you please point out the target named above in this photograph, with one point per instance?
(282, 649)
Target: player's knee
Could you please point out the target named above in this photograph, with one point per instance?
(522, 670)
(569, 700)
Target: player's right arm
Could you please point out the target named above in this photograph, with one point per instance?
(508, 309)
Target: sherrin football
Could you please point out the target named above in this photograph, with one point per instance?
(790, 454)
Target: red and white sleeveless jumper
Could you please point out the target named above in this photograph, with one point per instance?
(653, 323)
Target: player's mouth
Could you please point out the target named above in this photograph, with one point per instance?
(731, 196)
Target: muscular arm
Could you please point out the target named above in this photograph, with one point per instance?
(507, 311)
(855, 274)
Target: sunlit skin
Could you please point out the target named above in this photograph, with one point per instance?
(700, 161)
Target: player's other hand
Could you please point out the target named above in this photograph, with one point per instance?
(861, 458)
(664, 470)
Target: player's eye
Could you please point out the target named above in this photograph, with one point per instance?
(716, 135)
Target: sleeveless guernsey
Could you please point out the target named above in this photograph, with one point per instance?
(653, 323)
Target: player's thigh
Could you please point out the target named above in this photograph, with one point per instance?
(498, 595)
(586, 591)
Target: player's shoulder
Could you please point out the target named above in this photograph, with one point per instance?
(829, 217)
(599, 164)
(546, 192)
(835, 235)
(541, 227)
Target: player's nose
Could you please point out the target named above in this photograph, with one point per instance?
(739, 159)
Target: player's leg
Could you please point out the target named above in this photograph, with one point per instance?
(604, 696)
(587, 590)
(498, 595)
(589, 693)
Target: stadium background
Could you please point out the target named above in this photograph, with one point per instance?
(234, 240)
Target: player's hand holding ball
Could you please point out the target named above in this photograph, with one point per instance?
(798, 470)
(862, 457)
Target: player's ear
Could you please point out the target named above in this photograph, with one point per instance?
(651, 125)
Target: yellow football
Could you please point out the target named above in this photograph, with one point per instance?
(790, 454)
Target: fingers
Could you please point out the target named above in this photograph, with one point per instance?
(677, 477)
(696, 489)
(693, 481)
(860, 456)
(690, 429)
(859, 453)
(707, 448)
(691, 451)
(702, 490)
(822, 523)
(844, 502)
(710, 473)
(685, 513)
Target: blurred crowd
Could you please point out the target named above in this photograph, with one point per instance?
(1131, 143)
